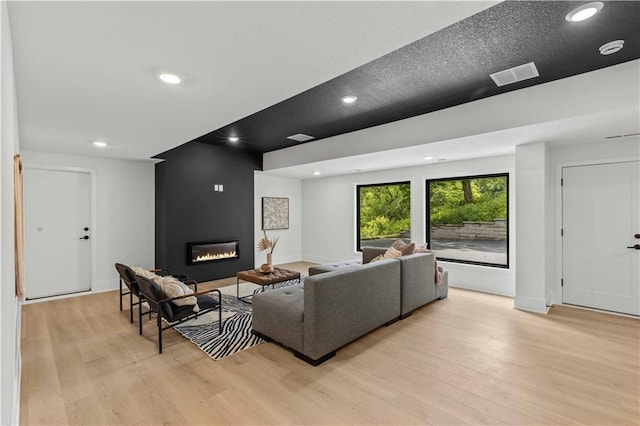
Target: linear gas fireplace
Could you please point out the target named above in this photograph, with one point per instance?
(211, 251)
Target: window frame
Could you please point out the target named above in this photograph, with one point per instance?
(428, 219)
(369, 185)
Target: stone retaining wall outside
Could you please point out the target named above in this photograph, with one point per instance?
(496, 231)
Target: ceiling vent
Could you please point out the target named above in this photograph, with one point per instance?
(300, 137)
(513, 75)
(623, 136)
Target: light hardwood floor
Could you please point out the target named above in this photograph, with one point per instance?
(468, 359)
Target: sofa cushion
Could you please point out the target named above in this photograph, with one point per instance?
(328, 267)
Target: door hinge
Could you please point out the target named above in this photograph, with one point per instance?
(561, 282)
(561, 181)
(562, 232)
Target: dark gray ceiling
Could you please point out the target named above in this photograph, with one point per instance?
(447, 68)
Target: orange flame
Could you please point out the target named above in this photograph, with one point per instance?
(209, 256)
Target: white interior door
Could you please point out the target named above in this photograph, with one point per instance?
(57, 232)
(601, 226)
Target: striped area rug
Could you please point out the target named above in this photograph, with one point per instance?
(236, 329)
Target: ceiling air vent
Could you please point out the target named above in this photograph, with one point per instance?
(622, 136)
(300, 137)
(513, 75)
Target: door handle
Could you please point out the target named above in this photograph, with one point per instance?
(636, 246)
(637, 236)
(86, 237)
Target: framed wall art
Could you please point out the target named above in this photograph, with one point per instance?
(275, 213)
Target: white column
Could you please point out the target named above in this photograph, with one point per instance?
(531, 215)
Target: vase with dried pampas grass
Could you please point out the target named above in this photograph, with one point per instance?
(267, 244)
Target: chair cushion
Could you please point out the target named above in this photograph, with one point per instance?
(204, 302)
(207, 302)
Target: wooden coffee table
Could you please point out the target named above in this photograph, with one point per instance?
(279, 275)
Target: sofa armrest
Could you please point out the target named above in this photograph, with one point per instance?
(417, 280)
(368, 253)
(278, 314)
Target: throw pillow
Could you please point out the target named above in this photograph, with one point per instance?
(392, 253)
(422, 248)
(173, 287)
(144, 272)
(389, 254)
(405, 248)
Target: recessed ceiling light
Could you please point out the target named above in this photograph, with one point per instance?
(349, 99)
(99, 144)
(611, 47)
(427, 158)
(316, 173)
(233, 139)
(170, 78)
(583, 12)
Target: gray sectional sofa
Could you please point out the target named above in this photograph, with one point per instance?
(341, 302)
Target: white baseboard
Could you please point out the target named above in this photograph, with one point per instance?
(320, 259)
(551, 297)
(531, 304)
(287, 259)
(483, 289)
(15, 415)
(277, 260)
(105, 285)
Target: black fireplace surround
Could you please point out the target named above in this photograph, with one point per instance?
(211, 251)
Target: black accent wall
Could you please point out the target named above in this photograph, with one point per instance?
(188, 208)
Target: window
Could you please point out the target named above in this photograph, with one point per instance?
(383, 214)
(468, 219)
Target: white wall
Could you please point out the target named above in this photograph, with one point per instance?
(328, 215)
(9, 306)
(125, 211)
(329, 223)
(289, 247)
